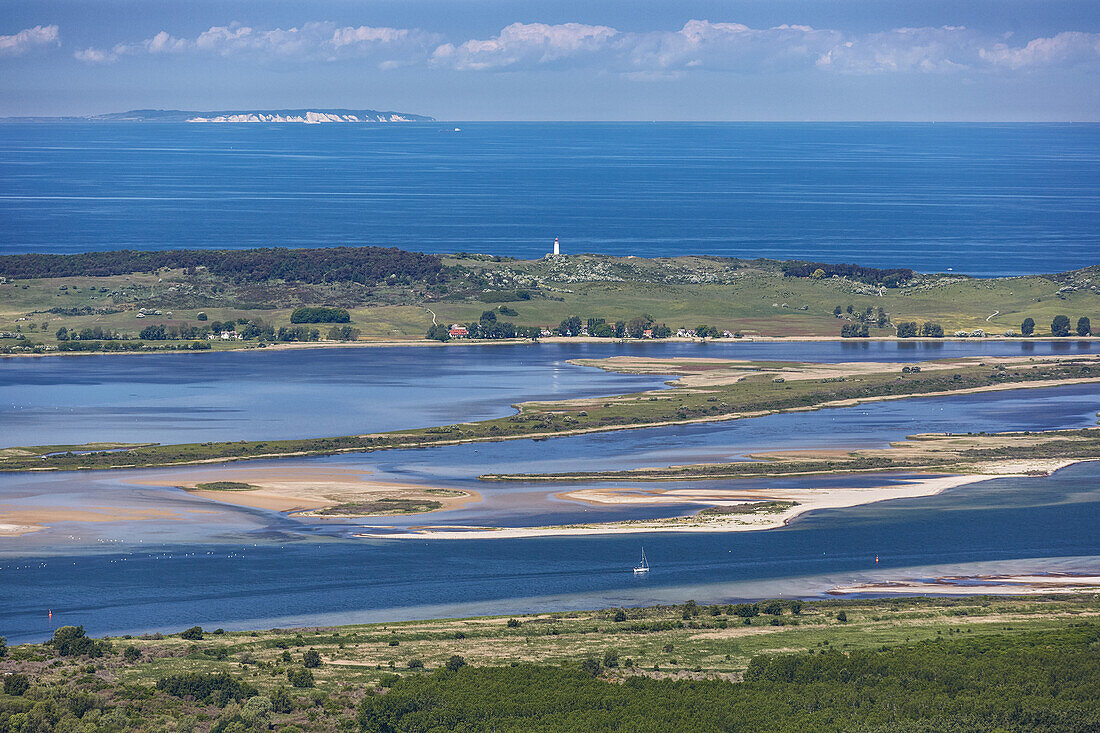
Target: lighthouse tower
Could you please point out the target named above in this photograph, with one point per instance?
(556, 250)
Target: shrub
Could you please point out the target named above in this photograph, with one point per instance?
(192, 634)
(131, 654)
(416, 664)
(71, 641)
(842, 617)
(16, 684)
(513, 623)
(206, 686)
(1060, 326)
(455, 663)
(311, 659)
(1084, 326)
(591, 666)
(300, 677)
(620, 615)
(1027, 327)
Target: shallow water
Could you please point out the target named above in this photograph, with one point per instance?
(318, 392)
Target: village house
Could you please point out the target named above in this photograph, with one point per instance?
(458, 331)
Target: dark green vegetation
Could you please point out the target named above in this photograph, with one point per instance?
(907, 664)
(756, 507)
(225, 486)
(319, 314)
(891, 278)
(363, 265)
(1034, 681)
(381, 506)
(760, 392)
(391, 294)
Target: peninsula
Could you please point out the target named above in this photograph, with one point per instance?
(201, 300)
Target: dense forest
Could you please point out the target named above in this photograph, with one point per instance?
(366, 265)
(1038, 681)
(891, 278)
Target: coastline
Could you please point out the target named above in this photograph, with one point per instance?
(398, 343)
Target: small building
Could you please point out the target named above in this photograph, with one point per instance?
(648, 333)
(458, 331)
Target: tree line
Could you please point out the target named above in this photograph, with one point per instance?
(1060, 326)
(365, 265)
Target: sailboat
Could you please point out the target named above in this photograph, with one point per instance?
(643, 566)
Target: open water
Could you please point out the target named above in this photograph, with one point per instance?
(982, 199)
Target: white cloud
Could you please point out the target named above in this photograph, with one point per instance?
(1064, 49)
(701, 44)
(698, 45)
(527, 44)
(312, 41)
(19, 43)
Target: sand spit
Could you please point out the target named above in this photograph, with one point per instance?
(806, 500)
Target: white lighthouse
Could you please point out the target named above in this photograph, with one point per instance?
(556, 250)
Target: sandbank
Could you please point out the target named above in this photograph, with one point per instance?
(969, 585)
(305, 491)
(17, 520)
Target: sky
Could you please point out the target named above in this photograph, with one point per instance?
(958, 60)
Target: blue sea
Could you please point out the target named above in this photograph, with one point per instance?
(982, 199)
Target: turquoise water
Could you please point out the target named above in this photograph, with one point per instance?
(983, 199)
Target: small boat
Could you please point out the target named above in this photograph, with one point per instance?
(643, 566)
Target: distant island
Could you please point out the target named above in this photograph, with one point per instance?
(307, 116)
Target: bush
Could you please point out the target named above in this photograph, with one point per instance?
(513, 623)
(1027, 327)
(1084, 326)
(201, 316)
(455, 663)
(71, 641)
(842, 617)
(591, 666)
(300, 677)
(1060, 326)
(620, 615)
(439, 332)
(319, 314)
(16, 684)
(131, 654)
(206, 686)
(192, 634)
(907, 329)
(311, 659)
(281, 702)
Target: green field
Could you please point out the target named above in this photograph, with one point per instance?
(1032, 660)
(748, 297)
